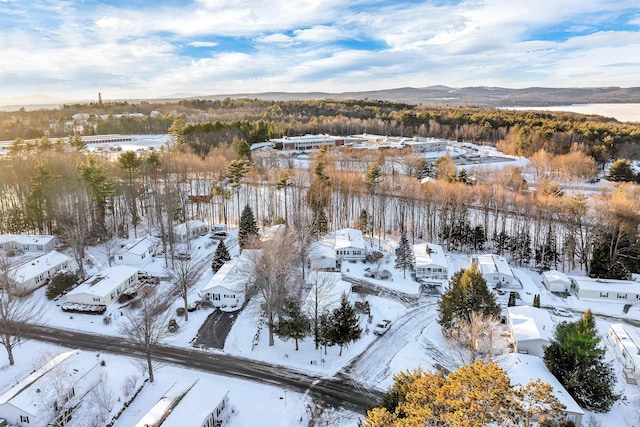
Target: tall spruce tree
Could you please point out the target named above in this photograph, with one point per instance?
(345, 327)
(220, 256)
(576, 358)
(468, 293)
(293, 323)
(405, 258)
(248, 232)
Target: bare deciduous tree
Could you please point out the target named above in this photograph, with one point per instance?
(477, 338)
(320, 296)
(148, 325)
(183, 276)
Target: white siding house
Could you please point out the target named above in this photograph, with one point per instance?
(531, 329)
(627, 350)
(189, 230)
(522, 369)
(349, 245)
(35, 244)
(138, 253)
(625, 291)
(58, 386)
(431, 263)
(33, 274)
(184, 405)
(322, 256)
(228, 287)
(556, 281)
(105, 287)
(6, 242)
(496, 271)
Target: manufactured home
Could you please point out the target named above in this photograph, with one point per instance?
(228, 287)
(531, 329)
(624, 291)
(138, 253)
(431, 263)
(349, 245)
(189, 230)
(37, 272)
(496, 271)
(105, 287)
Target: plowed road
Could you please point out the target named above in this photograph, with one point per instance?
(331, 392)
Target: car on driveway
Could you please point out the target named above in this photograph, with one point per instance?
(382, 327)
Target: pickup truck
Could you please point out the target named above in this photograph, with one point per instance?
(382, 327)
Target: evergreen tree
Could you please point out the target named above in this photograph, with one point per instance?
(248, 231)
(501, 242)
(621, 171)
(220, 257)
(363, 221)
(512, 299)
(536, 300)
(345, 327)
(576, 358)
(405, 259)
(326, 332)
(319, 223)
(547, 253)
(467, 293)
(293, 324)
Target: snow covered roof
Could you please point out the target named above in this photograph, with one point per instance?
(183, 404)
(607, 285)
(139, 247)
(523, 368)
(30, 393)
(530, 323)
(182, 228)
(628, 341)
(33, 240)
(4, 238)
(490, 263)
(307, 138)
(429, 254)
(103, 283)
(556, 276)
(233, 275)
(37, 266)
(349, 238)
(321, 250)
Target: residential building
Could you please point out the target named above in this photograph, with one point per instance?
(522, 369)
(37, 272)
(189, 230)
(531, 329)
(322, 256)
(105, 287)
(49, 395)
(496, 271)
(556, 281)
(625, 291)
(349, 245)
(33, 243)
(184, 405)
(228, 287)
(138, 253)
(627, 346)
(431, 263)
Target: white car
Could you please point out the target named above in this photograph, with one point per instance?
(562, 312)
(382, 327)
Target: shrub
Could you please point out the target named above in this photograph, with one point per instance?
(60, 284)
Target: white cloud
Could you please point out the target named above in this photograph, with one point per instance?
(203, 44)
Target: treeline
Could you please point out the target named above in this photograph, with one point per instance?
(208, 122)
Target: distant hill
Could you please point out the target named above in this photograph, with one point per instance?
(481, 96)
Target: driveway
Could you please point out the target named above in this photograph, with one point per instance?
(213, 332)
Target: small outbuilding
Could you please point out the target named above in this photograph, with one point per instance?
(556, 281)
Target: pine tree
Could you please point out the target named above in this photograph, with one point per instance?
(512, 299)
(536, 300)
(345, 327)
(319, 223)
(248, 232)
(293, 324)
(220, 257)
(576, 358)
(468, 293)
(326, 332)
(405, 259)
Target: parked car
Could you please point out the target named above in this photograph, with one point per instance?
(382, 327)
(562, 312)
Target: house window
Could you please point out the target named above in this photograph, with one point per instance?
(621, 296)
(96, 299)
(604, 294)
(120, 257)
(216, 297)
(113, 295)
(24, 419)
(229, 296)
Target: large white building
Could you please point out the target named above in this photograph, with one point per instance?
(624, 291)
(37, 272)
(138, 253)
(531, 329)
(307, 142)
(105, 287)
(496, 271)
(431, 263)
(349, 245)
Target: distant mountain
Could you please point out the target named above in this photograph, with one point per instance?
(481, 96)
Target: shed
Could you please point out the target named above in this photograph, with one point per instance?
(556, 281)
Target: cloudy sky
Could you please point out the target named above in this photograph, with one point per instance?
(144, 48)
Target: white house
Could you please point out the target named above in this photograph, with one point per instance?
(431, 263)
(556, 281)
(184, 405)
(326, 291)
(625, 291)
(105, 287)
(531, 329)
(190, 230)
(138, 253)
(6, 241)
(496, 271)
(349, 245)
(228, 287)
(627, 346)
(34, 243)
(322, 256)
(522, 369)
(51, 392)
(37, 272)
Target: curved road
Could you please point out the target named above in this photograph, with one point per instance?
(332, 392)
